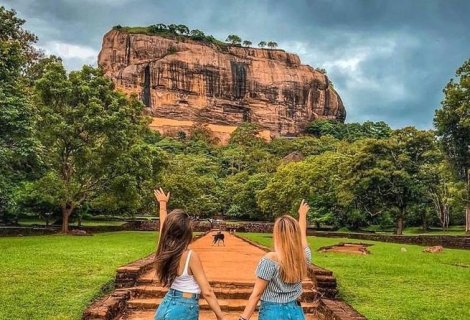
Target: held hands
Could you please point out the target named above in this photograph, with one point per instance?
(303, 209)
(161, 196)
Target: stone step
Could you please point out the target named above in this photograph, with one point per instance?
(155, 291)
(150, 279)
(226, 305)
(203, 315)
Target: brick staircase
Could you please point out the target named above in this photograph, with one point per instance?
(231, 271)
(146, 296)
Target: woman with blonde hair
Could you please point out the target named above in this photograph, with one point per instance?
(279, 274)
(180, 268)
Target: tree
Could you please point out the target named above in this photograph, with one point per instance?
(246, 134)
(92, 141)
(272, 44)
(262, 44)
(247, 43)
(321, 70)
(172, 28)
(439, 185)
(240, 194)
(161, 26)
(17, 143)
(197, 34)
(233, 39)
(182, 29)
(349, 131)
(384, 176)
(453, 128)
(315, 179)
(192, 180)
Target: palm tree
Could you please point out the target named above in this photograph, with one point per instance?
(262, 44)
(247, 43)
(272, 44)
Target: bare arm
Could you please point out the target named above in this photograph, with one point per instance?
(260, 286)
(206, 289)
(303, 210)
(162, 199)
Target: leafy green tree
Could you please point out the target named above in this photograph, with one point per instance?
(272, 44)
(194, 184)
(240, 194)
(247, 43)
(453, 127)
(182, 29)
(385, 175)
(314, 179)
(17, 143)
(201, 132)
(349, 131)
(246, 134)
(92, 141)
(172, 28)
(233, 39)
(306, 145)
(440, 188)
(262, 44)
(197, 34)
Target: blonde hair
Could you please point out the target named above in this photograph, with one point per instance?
(288, 246)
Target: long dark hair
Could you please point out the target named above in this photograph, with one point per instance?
(175, 236)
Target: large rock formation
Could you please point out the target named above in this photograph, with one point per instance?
(182, 81)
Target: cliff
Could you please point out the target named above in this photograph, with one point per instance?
(183, 81)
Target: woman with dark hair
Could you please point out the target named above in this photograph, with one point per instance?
(180, 268)
(279, 274)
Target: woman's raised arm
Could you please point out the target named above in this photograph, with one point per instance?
(303, 210)
(162, 199)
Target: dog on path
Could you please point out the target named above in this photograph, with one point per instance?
(218, 237)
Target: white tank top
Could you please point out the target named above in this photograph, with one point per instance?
(185, 282)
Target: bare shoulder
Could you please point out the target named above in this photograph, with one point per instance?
(271, 256)
(194, 254)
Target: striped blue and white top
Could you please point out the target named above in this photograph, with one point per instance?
(277, 290)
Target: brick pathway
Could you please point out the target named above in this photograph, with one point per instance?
(231, 271)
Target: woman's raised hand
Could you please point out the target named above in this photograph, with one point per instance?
(161, 196)
(303, 208)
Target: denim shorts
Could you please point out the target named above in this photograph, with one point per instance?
(176, 307)
(280, 311)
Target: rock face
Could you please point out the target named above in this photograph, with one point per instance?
(185, 81)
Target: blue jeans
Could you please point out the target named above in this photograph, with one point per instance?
(176, 307)
(280, 311)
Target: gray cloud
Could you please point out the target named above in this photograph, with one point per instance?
(389, 60)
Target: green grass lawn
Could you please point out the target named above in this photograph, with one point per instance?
(56, 277)
(389, 284)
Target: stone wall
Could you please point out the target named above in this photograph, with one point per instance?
(8, 231)
(456, 242)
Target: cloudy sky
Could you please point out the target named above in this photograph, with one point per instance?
(388, 59)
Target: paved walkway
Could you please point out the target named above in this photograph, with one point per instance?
(236, 260)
